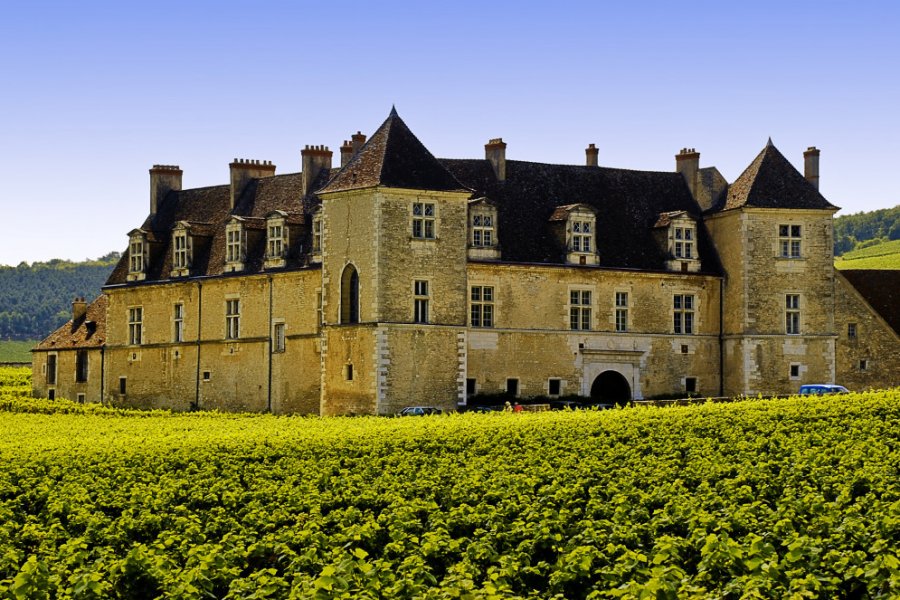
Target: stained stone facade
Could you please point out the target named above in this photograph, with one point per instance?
(400, 279)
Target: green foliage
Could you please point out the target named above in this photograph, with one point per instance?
(853, 231)
(16, 351)
(760, 499)
(36, 299)
(883, 255)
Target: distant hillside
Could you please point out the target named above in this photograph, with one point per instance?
(35, 299)
(883, 255)
(854, 232)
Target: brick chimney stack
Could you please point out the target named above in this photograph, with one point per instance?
(495, 151)
(79, 308)
(811, 166)
(346, 152)
(592, 153)
(314, 160)
(163, 179)
(358, 139)
(243, 171)
(687, 162)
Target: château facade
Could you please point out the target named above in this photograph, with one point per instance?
(399, 278)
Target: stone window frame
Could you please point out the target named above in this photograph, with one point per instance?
(318, 234)
(682, 243)
(137, 255)
(277, 240)
(580, 308)
(576, 216)
(696, 384)
(421, 294)
(684, 313)
(182, 250)
(235, 245)
(423, 220)
(852, 331)
(279, 336)
(792, 312)
(178, 322)
(135, 325)
(51, 372)
(232, 317)
(798, 367)
(790, 241)
(621, 310)
(82, 366)
(559, 387)
(482, 311)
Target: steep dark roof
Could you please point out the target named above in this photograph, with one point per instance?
(881, 289)
(89, 331)
(394, 157)
(771, 181)
(628, 204)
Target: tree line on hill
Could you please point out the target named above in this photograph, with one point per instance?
(864, 229)
(36, 299)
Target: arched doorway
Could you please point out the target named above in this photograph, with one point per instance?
(350, 295)
(611, 387)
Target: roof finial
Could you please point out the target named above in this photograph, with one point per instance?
(393, 111)
(769, 143)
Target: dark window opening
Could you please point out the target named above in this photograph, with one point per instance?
(851, 331)
(684, 349)
(348, 371)
(206, 375)
(350, 295)
(512, 387)
(122, 385)
(795, 370)
(690, 384)
(554, 386)
(470, 387)
(51, 369)
(51, 394)
(81, 366)
(863, 365)
(81, 398)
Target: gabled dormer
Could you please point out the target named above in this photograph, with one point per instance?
(182, 249)
(482, 230)
(276, 240)
(575, 226)
(677, 230)
(138, 255)
(235, 244)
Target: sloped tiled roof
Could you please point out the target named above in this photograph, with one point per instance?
(394, 157)
(89, 331)
(771, 181)
(881, 289)
(628, 204)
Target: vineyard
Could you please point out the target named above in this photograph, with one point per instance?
(761, 499)
(881, 256)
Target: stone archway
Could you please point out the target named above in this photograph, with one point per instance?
(611, 387)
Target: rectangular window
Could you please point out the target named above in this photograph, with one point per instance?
(178, 323)
(136, 256)
(795, 371)
(423, 220)
(864, 365)
(51, 369)
(471, 386)
(278, 338)
(420, 301)
(792, 314)
(554, 387)
(317, 235)
(51, 394)
(684, 313)
(123, 383)
(582, 234)
(512, 387)
(275, 246)
(851, 331)
(233, 251)
(80, 398)
(348, 372)
(684, 242)
(580, 309)
(789, 241)
(690, 385)
(482, 312)
(482, 231)
(621, 311)
(319, 314)
(180, 260)
(232, 319)
(81, 366)
(135, 325)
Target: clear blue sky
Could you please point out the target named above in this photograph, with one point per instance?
(94, 93)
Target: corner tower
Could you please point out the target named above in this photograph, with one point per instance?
(773, 231)
(393, 278)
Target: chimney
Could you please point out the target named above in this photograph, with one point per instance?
(592, 153)
(495, 151)
(687, 162)
(314, 160)
(811, 166)
(243, 170)
(358, 138)
(79, 308)
(163, 179)
(346, 153)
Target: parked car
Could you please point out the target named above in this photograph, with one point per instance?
(418, 411)
(820, 389)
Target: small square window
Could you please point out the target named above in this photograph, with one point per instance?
(554, 386)
(80, 398)
(206, 375)
(684, 349)
(795, 371)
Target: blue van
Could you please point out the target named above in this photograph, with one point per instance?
(819, 389)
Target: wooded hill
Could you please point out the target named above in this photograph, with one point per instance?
(864, 229)
(35, 299)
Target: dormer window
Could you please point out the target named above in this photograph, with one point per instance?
(684, 242)
(181, 250)
(483, 229)
(677, 234)
(137, 256)
(276, 240)
(576, 227)
(234, 245)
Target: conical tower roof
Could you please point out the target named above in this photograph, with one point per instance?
(394, 157)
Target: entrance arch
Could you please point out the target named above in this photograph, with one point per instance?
(350, 295)
(611, 387)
